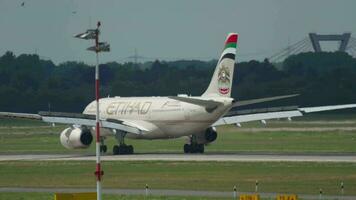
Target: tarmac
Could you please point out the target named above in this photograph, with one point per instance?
(339, 158)
(163, 192)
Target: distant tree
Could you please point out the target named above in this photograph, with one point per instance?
(7, 57)
(29, 84)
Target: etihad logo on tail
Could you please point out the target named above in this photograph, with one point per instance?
(224, 80)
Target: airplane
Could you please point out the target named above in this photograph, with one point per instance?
(195, 117)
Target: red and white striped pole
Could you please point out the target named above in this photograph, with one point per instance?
(98, 171)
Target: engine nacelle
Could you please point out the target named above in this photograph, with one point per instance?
(211, 134)
(76, 138)
(208, 136)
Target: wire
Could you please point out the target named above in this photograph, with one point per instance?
(291, 51)
(287, 49)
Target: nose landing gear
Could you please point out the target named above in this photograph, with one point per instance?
(103, 147)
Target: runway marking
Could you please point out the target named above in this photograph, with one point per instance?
(188, 157)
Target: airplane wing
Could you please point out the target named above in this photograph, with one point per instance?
(79, 119)
(296, 112)
(20, 115)
(211, 105)
(326, 108)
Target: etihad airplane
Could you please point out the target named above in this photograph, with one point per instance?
(167, 117)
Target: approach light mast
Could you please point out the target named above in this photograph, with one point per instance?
(93, 34)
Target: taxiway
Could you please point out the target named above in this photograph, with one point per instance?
(189, 157)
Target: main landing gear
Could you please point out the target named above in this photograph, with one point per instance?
(193, 147)
(122, 148)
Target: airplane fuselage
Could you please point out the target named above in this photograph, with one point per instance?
(162, 117)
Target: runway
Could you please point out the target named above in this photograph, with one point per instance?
(164, 192)
(342, 158)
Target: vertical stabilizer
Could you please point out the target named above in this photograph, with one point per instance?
(220, 84)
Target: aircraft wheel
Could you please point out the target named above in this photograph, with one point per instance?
(116, 150)
(130, 149)
(200, 148)
(193, 148)
(187, 148)
(122, 149)
(103, 148)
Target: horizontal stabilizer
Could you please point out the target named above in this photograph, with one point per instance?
(255, 101)
(259, 110)
(209, 105)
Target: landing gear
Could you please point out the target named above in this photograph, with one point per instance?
(193, 147)
(103, 147)
(122, 148)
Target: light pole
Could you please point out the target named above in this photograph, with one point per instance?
(91, 34)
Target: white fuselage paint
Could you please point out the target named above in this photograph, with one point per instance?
(161, 117)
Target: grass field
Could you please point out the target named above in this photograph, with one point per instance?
(320, 135)
(230, 140)
(48, 196)
(217, 176)
(300, 136)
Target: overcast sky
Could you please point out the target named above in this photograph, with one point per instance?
(167, 29)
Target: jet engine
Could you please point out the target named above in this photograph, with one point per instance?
(76, 138)
(208, 136)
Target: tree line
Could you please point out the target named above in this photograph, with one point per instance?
(30, 84)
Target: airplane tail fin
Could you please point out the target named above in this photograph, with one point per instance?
(221, 82)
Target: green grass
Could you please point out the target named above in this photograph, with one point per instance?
(24, 136)
(230, 140)
(300, 178)
(8, 122)
(47, 196)
(26, 196)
